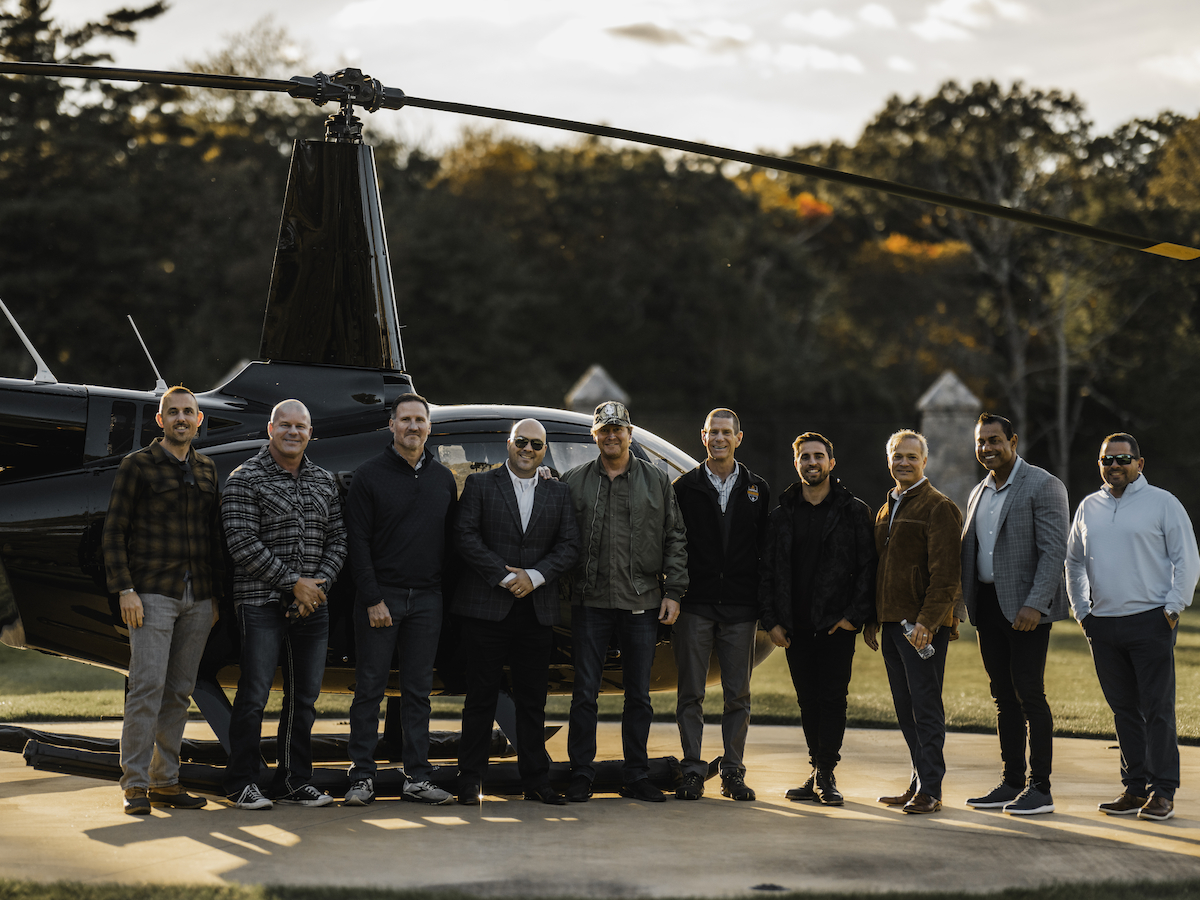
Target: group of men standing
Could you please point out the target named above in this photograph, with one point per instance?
(704, 554)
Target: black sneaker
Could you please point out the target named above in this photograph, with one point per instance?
(642, 789)
(250, 797)
(1031, 802)
(826, 789)
(579, 790)
(805, 791)
(997, 798)
(305, 795)
(733, 785)
(692, 787)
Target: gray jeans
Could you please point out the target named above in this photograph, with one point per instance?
(164, 654)
(694, 640)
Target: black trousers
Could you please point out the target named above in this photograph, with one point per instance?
(820, 664)
(1135, 662)
(523, 644)
(1015, 662)
(917, 695)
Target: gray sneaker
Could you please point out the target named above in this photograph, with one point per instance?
(426, 792)
(997, 798)
(1031, 803)
(361, 792)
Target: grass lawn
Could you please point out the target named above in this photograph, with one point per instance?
(24, 890)
(38, 687)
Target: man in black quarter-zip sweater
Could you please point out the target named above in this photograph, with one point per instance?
(398, 513)
(724, 507)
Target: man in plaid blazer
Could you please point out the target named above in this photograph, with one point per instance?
(1014, 545)
(517, 534)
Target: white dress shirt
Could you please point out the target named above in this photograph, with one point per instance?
(524, 488)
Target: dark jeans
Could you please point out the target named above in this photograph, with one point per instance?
(271, 640)
(1135, 662)
(693, 642)
(820, 664)
(591, 630)
(523, 644)
(917, 695)
(1015, 662)
(416, 624)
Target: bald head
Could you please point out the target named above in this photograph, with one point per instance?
(289, 431)
(526, 447)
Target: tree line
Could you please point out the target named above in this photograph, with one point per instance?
(695, 284)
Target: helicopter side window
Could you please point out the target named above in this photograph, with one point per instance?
(121, 423)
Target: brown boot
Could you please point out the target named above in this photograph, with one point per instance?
(136, 803)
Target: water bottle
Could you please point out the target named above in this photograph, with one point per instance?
(908, 630)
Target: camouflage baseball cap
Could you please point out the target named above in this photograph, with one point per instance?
(611, 412)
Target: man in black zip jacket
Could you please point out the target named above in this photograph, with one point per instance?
(818, 589)
(724, 506)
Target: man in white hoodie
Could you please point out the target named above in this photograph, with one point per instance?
(1132, 567)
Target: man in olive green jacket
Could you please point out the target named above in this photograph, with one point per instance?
(917, 536)
(631, 575)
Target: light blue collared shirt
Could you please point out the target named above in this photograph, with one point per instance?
(1131, 554)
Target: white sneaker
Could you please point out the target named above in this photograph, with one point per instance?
(251, 798)
(361, 792)
(305, 795)
(424, 792)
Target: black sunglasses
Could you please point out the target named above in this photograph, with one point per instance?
(186, 468)
(522, 442)
(1121, 459)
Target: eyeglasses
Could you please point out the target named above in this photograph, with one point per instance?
(523, 442)
(1121, 459)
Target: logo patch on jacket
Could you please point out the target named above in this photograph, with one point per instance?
(752, 493)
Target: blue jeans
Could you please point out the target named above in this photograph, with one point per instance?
(917, 695)
(416, 625)
(591, 630)
(164, 653)
(269, 641)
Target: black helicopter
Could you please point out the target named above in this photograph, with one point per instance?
(331, 337)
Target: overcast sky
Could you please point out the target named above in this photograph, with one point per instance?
(748, 74)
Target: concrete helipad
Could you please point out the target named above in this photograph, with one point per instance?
(67, 827)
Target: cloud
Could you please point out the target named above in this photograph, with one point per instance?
(380, 13)
(649, 33)
(877, 15)
(955, 20)
(900, 64)
(1184, 67)
(808, 56)
(821, 23)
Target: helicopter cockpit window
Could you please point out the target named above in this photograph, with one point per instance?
(468, 457)
(150, 426)
(661, 461)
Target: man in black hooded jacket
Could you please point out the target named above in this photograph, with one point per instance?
(818, 589)
(724, 506)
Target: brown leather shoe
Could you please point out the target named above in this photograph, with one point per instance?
(1157, 808)
(922, 804)
(1126, 805)
(898, 800)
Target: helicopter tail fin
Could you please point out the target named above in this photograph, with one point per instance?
(331, 299)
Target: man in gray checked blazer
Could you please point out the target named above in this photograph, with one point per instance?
(1014, 545)
(517, 534)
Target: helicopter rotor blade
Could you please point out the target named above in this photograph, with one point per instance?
(374, 96)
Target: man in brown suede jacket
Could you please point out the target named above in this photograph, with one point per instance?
(917, 537)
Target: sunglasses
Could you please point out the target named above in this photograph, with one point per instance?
(1121, 459)
(523, 442)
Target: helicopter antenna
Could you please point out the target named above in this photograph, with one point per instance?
(44, 375)
(160, 386)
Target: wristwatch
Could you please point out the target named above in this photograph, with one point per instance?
(1173, 618)
(127, 591)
